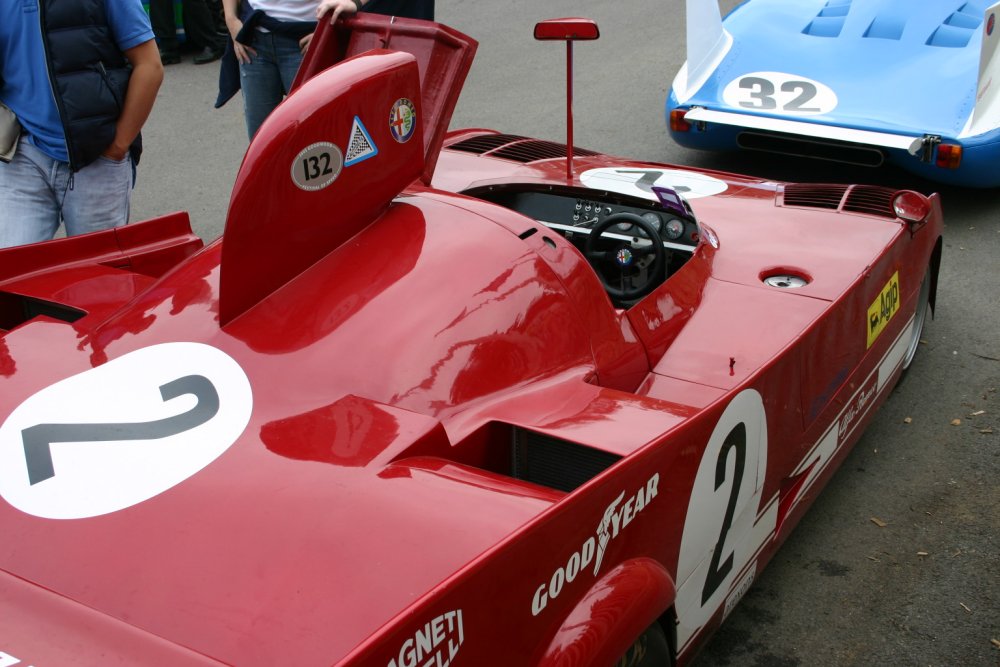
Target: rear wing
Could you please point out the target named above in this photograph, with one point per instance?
(443, 55)
(150, 248)
(986, 114)
(707, 44)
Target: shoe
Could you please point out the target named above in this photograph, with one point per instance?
(169, 57)
(207, 55)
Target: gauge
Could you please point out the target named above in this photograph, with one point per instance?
(623, 226)
(654, 220)
(674, 228)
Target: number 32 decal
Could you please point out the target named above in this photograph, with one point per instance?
(779, 93)
(721, 529)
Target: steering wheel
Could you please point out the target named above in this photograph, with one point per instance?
(626, 259)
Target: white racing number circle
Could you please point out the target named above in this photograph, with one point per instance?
(317, 166)
(119, 434)
(640, 181)
(719, 527)
(779, 93)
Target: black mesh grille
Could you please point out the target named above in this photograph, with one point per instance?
(555, 463)
(516, 148)
(810, 147)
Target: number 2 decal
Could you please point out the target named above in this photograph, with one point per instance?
(38, 439)
(780, 93)
(116, 435)
(720, 528)
(736, 442)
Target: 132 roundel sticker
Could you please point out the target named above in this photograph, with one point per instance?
(317, 165)
(779, 93)
(119, 434)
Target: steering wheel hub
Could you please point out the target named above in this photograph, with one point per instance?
(624, 256)
(627, 269)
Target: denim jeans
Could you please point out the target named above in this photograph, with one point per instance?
(265, 80)
(39, 192)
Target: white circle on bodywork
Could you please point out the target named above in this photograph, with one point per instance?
(718, 537)
(639, 181)
(317, 165)
(107, 438)
(779, 93)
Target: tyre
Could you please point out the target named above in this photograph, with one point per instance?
(923, 306)
(651, 649)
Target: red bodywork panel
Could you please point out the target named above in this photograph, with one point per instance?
(386, 422)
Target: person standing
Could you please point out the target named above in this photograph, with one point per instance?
(270, 37)
(198, 27)
(81, 77)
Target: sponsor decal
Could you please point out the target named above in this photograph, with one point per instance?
(434, 645)
(739, 591)
(717, 497)
(119, 434)
(885, 305)
(402, 120)
(858, 406)
(640, 182)
(317, 166)
(618, 514)
(779, 93)
(360, 146)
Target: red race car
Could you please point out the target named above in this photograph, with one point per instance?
(436, 398)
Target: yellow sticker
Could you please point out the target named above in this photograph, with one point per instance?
(885, 305)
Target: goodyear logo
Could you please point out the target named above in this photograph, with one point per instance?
(883, 308)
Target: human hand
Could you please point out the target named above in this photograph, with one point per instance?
(305, 42)
(242, 51)
(336, 8)
(115, 153)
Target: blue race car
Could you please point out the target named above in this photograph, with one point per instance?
(916, 84)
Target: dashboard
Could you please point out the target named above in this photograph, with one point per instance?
(574, 211)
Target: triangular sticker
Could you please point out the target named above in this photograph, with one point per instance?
(360, 147)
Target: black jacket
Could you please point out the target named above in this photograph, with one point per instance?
(89, 76)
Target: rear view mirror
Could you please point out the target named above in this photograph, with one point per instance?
(566, 29)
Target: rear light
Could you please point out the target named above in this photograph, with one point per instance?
(677, 122)
(911, 206)
(949, 156)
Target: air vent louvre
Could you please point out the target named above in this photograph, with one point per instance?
(814, 196)
(557, 464)
(830, 20)
(870, 199)
(516, 148)
(485, 143)
(867, 199)
(536, 149)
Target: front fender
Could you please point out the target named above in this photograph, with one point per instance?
(614, 612)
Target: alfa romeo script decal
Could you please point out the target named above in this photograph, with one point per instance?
(119, 434)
